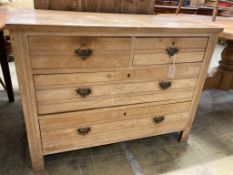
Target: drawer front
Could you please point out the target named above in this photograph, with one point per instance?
(119, 100)
(85, 92)
(161, 43)
(160, 72)
(61, 132)
(75, 52)
(163, 58)
(151, 51)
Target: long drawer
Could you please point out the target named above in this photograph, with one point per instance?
(89, 91)
(79, 52)
(67, 131)
(81, 91)
(119, 100)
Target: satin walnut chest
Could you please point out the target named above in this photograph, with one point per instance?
(88, 79)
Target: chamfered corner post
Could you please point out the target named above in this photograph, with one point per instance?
(20, 48)
(198, 90)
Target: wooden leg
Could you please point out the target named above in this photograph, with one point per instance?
(222, 78)
(5, 69)
(183, 136)
(38, 164)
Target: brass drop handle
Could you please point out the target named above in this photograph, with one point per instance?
(84, 131)
(165, 84)
(159, 119)
(83, 92)
(83, 53)
(171, 51)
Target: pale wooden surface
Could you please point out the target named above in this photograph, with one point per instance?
(197, 94)
(66, 93)
(5, 14)
(129, 99)
(27, 93)
(68, 139)
(61, 121)
(48, 18)
(159, 72)
(222, 22)
(114, 88)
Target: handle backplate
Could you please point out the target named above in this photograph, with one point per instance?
(171, 51)
(84, 131)
(165, 84)
(159, 119)
(83, 92)
(83, 53)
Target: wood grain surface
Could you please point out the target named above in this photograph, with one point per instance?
(127, 100)
(114, 6)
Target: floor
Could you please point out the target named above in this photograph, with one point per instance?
(209, 150)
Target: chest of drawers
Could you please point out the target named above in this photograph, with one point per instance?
(103, 78)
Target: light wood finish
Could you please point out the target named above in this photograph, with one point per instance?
(132, 91)
(197, 93)
(5, 14)
(69, 139)
(158, 72)
(73, 61)
(106, 123)
(27, 92)
(43, 45)
(222, 22)
(163, 58)
(75, 119)
(114, 6)
(106, 52)
(149, 51)
(119, 100)
(222, 76)
(69, 93)
(98, 23)
(159, 44)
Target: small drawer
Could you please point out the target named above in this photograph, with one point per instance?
(68, 131)
(79, 52)
(152, 51)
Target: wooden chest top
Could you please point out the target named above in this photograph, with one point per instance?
(40, 19)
